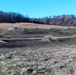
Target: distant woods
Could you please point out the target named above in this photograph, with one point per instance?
(12, 17)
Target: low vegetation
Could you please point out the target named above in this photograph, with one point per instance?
(22, 37)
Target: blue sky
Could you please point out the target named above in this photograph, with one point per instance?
(39, 8)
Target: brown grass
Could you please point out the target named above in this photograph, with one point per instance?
(28, 25)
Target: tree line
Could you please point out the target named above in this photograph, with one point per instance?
(12, 17)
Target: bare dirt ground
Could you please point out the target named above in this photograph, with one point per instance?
(32, 49)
